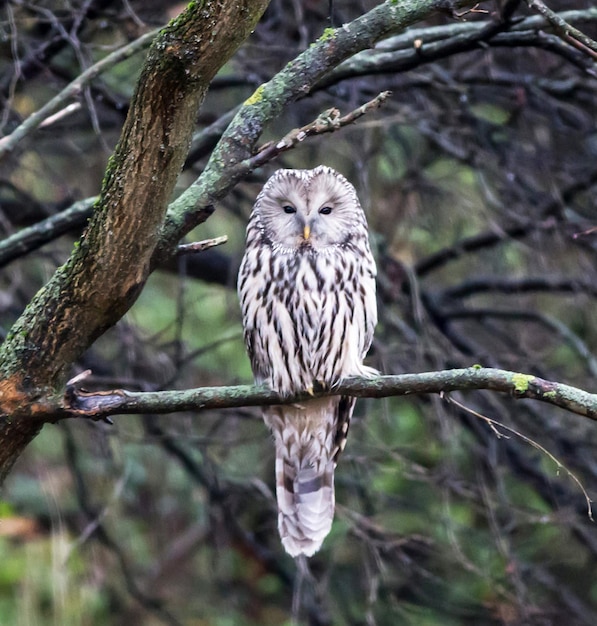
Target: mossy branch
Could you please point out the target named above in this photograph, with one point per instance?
(78, 403)
(294, 81)
(107, 270)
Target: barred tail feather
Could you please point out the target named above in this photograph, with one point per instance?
(308, 440)
(305, 504)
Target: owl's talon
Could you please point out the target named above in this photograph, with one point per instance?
(309, 390)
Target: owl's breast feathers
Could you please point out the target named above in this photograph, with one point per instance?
(309, 315)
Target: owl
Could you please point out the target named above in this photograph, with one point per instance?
(307, 292)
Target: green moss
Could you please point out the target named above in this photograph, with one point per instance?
(256, 97)
(328, 33)
(521, 382)
(550, 394)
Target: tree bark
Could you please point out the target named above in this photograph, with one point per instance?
(109, 266)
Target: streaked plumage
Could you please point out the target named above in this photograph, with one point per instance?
(307, 292)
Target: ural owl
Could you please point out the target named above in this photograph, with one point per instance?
(307, 292)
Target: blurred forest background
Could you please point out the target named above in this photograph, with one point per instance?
(478, 176)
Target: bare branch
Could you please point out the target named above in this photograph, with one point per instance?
(549, 284)
(99, 405)
(569, 33)
(72, 90)
(33, 237)
(480, 242)
(200, 246)
(328, 122)
(419, 46)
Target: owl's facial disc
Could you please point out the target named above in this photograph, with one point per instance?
(309, 209)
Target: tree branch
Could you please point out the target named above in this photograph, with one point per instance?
(201, 246)
(481, 241)
(419, 46)
(107, 270)
(498, 284)
(550, 211)
(269, 100)
(34, 237)
(328, 122)
(569, 33)
(98, 406)
(72, 90)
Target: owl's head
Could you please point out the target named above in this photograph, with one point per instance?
(309, 208)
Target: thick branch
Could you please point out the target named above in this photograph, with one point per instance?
(104, 404)
(106, 272)
(418, 46)
(293, 82)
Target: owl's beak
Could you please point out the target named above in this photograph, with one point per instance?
(306, 232)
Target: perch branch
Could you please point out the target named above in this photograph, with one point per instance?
(98, 406)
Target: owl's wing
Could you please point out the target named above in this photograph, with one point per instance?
(368, 303)
(253, 288)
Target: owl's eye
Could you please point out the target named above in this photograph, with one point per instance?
(326, 210)
(289, 209)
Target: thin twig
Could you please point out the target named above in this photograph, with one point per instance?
(569, 33)
(200, 246)
(72, 90)
(493, 424)
(590, 231)
(328, 122)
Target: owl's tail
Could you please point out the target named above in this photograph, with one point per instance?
(308, 438)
